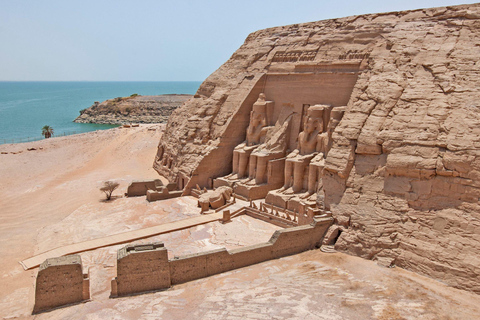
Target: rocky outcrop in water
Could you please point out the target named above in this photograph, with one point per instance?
(138, 109)
(402, 176)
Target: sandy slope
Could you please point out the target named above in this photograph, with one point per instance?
(49, 197)
(41, 187)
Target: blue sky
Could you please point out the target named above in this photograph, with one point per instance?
(149, 40)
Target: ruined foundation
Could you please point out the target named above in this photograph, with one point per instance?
(140, 188)
(141, 268)
(145, 268)
(61, 282)
(153, 189)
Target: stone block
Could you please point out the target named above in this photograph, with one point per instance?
(61, 282)
(140, 188)
(141, 268)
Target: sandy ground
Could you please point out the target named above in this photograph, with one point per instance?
(50, 197)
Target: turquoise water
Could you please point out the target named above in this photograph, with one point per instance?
(25, 107)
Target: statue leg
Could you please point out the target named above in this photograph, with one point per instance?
(298, 169)
(288, 174)
(252, 166)
(313, 176)
(262, 163)
(242, 164)
(315, 171)
(236, 156)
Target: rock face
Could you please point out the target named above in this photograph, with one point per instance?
(401, 173)
(139, 109)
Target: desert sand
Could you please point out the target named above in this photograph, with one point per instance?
(50, 198)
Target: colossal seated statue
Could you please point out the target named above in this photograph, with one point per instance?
(256, 133)
(273, 148)
(266, 163)
(311, 141)
(304, 166)
(315, 168)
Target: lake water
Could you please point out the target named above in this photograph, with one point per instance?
(25, 107)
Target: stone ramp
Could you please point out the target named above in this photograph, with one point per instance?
(119, 238)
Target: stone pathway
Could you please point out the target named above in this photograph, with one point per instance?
(119, 238)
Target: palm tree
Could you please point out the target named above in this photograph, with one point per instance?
(47, 131)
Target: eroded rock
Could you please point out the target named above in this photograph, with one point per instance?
(403, 165)
(139, 109)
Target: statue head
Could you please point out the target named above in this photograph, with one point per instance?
(259, 111)
(314, 119)
(335, 117)
(261, 98)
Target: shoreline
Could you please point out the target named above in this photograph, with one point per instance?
(39, 137)
(26, 106)
(80, 135)
(65, 134)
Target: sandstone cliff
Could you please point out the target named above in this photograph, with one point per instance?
(139, 109)
(402, 178)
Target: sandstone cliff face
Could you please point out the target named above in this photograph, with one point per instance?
(402, 178)
(139, 109)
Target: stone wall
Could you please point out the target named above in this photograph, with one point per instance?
(162, 195)
(402, 176)
(139, 188)
(60, 281)
(141, 268)
(146, 267)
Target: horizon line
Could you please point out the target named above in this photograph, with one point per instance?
(101, 80)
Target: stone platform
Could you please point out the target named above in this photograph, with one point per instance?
(124, 237)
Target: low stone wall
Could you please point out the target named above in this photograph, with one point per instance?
(60, 281)
(141, 268)
(162, 195)
(270, 218)
(282, 243)
(154, 266)
(139, 188)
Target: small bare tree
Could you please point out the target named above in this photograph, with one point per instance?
(108, 188)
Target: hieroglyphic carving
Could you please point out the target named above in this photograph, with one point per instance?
(338, 67)
(354, 55)
(308, 56)
(294, 56)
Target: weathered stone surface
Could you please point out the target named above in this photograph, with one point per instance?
(141, 268)
(404, 165)
(60, 282)
(138, 109)
(215, 198)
